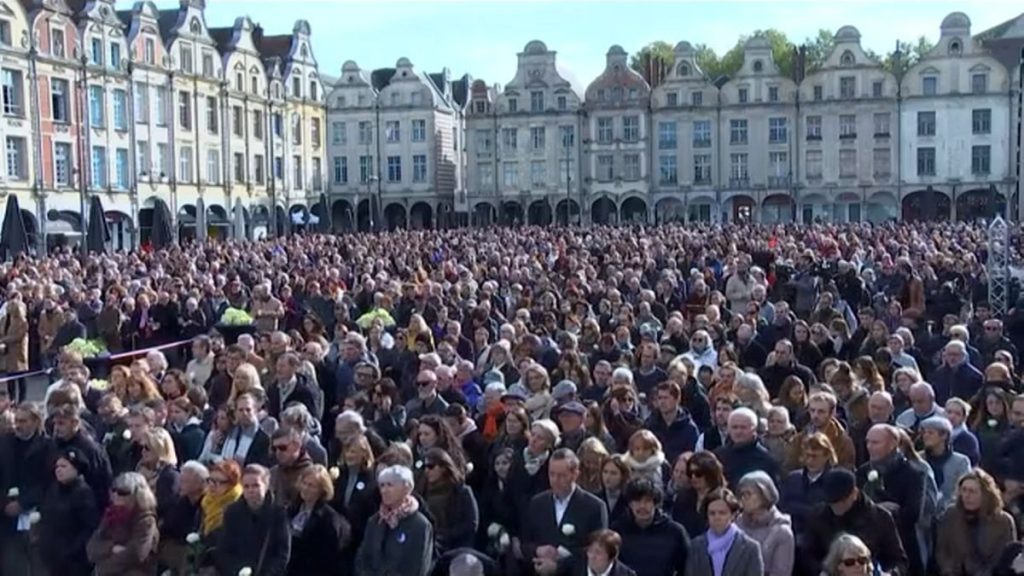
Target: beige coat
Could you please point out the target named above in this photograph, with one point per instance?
(14, 337)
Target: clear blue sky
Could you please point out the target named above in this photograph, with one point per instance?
(482, 37)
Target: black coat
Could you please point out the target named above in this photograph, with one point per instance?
(304, 393)
(405, 551)
(799, 497)
(902, 484)
(363, 503)
(586, 514)
(97, 473)
(498, 506)
(739, 460)
(181, 518)
(317, 549)
(462, 522)
(684, 511)
(68, 517)
(247, 532)
(166, 490)
(188, 444)
(660, 549)
(618, 569)
(617, 512)
(866, 520)
(28, 466)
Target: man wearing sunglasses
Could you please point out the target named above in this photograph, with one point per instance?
(427, 400)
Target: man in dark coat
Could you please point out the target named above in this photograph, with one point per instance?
(559, 521)
(744, 453)
(290, 387)
(256, 534)
(26, 469)
(671, 423)
(69, 331)
(956, 376)
(652, 543)
(850, 512)
(782, 364)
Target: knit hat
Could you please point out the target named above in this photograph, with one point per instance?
(492, 376)
(837, 484)
(550, 428)
(940, 423)
(563, 391)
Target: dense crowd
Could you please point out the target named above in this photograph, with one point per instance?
(670, 401)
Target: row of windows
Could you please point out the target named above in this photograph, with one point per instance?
(536, 102)
(393, 167)
(981, 160)
(510, 173)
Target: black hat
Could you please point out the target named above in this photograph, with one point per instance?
(573, 407)
(837, 484)
(77, 459)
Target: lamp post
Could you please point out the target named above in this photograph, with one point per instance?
(84, 155)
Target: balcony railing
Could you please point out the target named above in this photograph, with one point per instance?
(739, 182)
(778, 181)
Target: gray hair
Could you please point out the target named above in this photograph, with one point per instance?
(197, 468)
(351, 417)
(959, 403)
(746, 413)
(841, 546)
(466, 565)
(135, 484)
(763, 483)
(156, 360)
(298, 416)
(922, 387)
(623, 372)
(396, 475)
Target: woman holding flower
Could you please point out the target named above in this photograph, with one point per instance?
(67, 519)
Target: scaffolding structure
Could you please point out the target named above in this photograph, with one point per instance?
(998, 265)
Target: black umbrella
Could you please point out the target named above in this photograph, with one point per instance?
(161, 236)
(281, 221)
(98, 231)
(326, 224)
(14, 237)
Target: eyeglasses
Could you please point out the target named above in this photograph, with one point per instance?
(858, 561)
(430, 466)
(424, 383)
(218, 481)
(695, 473)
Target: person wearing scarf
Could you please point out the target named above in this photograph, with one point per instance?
(223, 490)
(126, 541)
(724, 550)
(399, 540)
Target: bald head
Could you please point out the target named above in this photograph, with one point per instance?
(882, 440)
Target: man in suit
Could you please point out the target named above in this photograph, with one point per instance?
(560, 520)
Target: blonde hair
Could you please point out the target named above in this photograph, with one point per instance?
(160, 443)
(323, 479)
(247, 373)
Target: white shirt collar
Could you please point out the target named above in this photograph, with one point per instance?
(606, 572)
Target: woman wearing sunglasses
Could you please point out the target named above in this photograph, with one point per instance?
(705, 474)
(449, 500)
(848, 556)
(125, 544)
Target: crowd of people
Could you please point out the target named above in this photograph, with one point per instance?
(734, 400)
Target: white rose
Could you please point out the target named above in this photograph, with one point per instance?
(34, 517)
(469, 468)
(992, 423)
(873, 476)
(504, 541)
(419, 464)
(360, 485)
(245, 571)
(13, 493)
(127, 434)
(192, 538)
(335, 472)
(493, 530)
(568, 529)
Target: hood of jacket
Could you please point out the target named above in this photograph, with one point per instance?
(770, 519)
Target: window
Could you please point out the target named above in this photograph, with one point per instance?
(161, 105)
(121, 167)
(120, 109)
(929, 85)
(163, 160)
(773, 93)
(142, 157)
(56, 40)
(510, 174)
(600, 94)
(99, 165)
(605, 130)
(185, 110)
(296, 129)
(814, 127)
(278, 168)
(483, 142)
(97, 118)
(486, 175)
(150, 51)
(536, 101)
(847, 125)
(480, 106)
(207, 64)
(537, 138)
(62, 164)
(419, 168)
(631, 167)
(314, 132)
(672, 99)
(257, 125)
(779, 165)
(340, 170)
(701, 133)
(239, 164)
(738, 169)
(115, 55)
(818, 93)
(59, 96)
(392, 131)
(743, 95)
(538, 173)
(981, 160)
(297, 89)
(702, 168)
(237, 121)
(239, 81)
(876, 89)
(568, 136)
(513, 105)
(847, 87)
(926, 123)
(981, 121)
(979, 83)
(141, 103)
(257, 165)
(563, 103)
(737, 131)
(277, 124)
(186, 59)
(297, 178)
(17, 167)
(419, 130)
(668, 170)
(566, 167)
(212, 167)
(5, 32)
(666, 135)
(509, 138)
(254, 85)
(394, 168)
(365, 168)
(96, 54)
(882, 162)
(211, 115)
(777, 131)
(926, 161)
(314, 91)
(185, 164)
(696, 98)
(881, 121)
(848, 163)
(605, 167)
(631, 128)
(14, 99)
(813, 165)
(365, 133)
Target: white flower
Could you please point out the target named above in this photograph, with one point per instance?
(873, 476)
(245, 571)
(360, 485)
(568, 529)
(34, 517)
(192, 538)
(13, 493)
(469, 467)
(419, 464)
(504, 541)
(493, 530)
(127, 434)
(992, 423)
(334, 472)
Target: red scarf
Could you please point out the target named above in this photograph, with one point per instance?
(392, 516)
(491, 421)
(116, 516)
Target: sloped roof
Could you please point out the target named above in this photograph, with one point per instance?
(222, 38)
(126, 16)
(460, 90)
(279, 45)
(1012, 28)
(381, 77)
(168, 21)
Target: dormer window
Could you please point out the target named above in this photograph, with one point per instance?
(955, 48)
(758, 66)
(684, 69)
(194, 27)
(304, 51)
(846, 59)
(743, 95)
